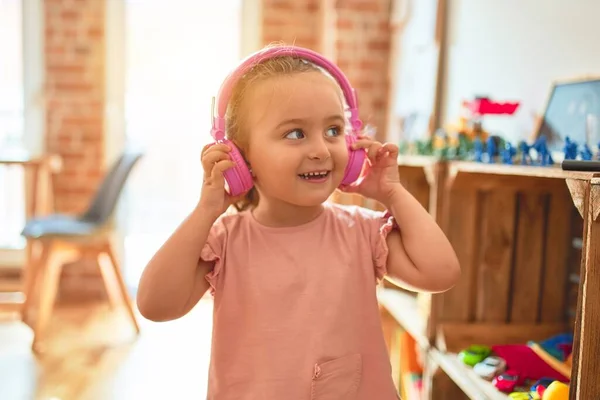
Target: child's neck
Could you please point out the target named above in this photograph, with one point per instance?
(279, 214)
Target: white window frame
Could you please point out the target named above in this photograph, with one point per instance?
(33, 98)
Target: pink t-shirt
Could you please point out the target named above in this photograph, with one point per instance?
(295, 309)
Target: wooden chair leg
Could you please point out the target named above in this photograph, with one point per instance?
(110, 279)
(36, 262)
(119, 283)
(49, 280)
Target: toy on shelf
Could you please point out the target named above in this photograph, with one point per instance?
(521, 396)
(484, 106)
(556, 391)
(525, 151)
(490, 367)
(541, 147)
(478, 149)
(508, 381)
(539, 387)
(586, 153)
(508, 153)
(474, 354)
(570, 149)
(522, 358)
(491, 149)
(555, 351)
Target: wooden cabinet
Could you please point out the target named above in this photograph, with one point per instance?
(526, 239)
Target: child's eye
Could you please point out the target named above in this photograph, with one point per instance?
(333, 131)
(295, 134)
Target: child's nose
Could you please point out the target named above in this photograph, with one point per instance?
(319, 149)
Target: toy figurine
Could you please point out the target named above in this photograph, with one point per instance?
(570, 149)
(478, 149)
(586, 153)
(524, 148)
(544, 156)
(464, 146)
(508, 153)
(491, 149)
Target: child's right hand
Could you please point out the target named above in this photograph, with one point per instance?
(215, 160)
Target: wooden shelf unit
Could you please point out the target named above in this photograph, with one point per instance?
(525, 238)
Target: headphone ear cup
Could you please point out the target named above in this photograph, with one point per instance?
(238, 179)
(356, 161)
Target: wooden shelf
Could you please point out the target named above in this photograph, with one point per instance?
(552, 172)
(406, 160)
(405, 310)
(468, 381)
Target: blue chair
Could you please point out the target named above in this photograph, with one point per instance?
(58, 239)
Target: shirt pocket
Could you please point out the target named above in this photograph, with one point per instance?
(337, 379)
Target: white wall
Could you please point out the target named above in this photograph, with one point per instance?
(513, 50)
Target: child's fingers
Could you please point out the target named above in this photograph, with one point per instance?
(216, 174)
(392, 149)
(212, 157)
(214, 147)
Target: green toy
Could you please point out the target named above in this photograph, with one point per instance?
(474, 354)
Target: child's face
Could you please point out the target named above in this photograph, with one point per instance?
(296, 125)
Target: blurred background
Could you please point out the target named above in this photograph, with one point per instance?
(83, 81)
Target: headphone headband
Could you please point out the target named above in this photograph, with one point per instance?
(218, 128)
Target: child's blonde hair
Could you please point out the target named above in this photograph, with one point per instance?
(273, 67)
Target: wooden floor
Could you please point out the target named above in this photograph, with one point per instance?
(92, 354)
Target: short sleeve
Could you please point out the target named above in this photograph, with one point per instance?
(376, 226)
(382, 225)
(214, 251)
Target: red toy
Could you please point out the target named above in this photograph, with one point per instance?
(530, 365)
(508, 381)
(485, 106)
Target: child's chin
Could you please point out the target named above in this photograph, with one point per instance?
(313, 199)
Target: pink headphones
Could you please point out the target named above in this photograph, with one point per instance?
(238, 178)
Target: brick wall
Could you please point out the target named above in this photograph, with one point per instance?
(360, 30)
(75, 87)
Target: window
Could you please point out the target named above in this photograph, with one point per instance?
(12, 212)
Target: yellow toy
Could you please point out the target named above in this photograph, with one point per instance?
(556, 391)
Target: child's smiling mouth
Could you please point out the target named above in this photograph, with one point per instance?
(315, 176)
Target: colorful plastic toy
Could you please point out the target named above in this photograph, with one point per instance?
(586, 153)
(524, 359)
(490, 367)
(539, 387)
(474, 354)
(478, 149)
(508, 381)
(521, 396)
(491, 149)
(570, 149)
(556, 391)
(525, 150)
(541, 147)
(508, 153)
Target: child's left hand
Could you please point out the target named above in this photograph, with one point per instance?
(380, 177)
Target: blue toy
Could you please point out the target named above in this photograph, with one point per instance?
(478, 149)
(524, 148)
(544, 156)
(570, 149)
(491, 150)
(586, 153)
(508, 153)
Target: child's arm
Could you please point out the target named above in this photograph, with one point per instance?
(174, 279)
(419, 255)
